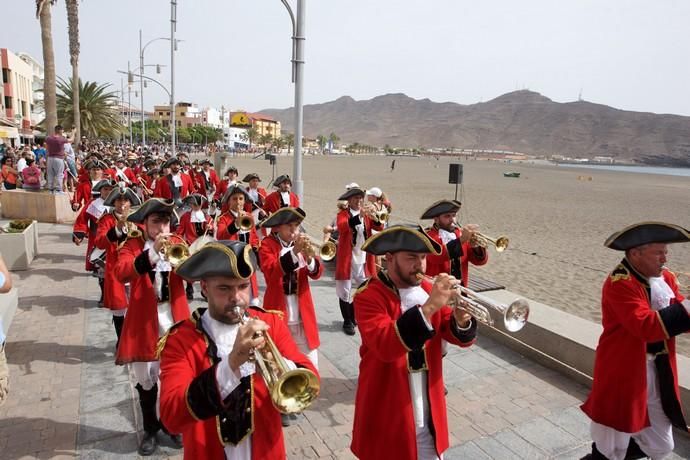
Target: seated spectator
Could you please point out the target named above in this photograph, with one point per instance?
(8, 173)
(31, 176)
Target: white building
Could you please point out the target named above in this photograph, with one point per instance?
(18, 97)
(37, 111)
(236, 138)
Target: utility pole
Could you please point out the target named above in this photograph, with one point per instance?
(129, 105)
(173, 46)
(141, 91)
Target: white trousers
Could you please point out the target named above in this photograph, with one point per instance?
(656, 440)
(343, 288)
(146, 373)
(297, 332)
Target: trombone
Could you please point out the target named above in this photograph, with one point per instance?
(500, 243)
(514, 315)
(292, 391)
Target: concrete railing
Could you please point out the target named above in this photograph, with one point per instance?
(40, 206)
(561, 341)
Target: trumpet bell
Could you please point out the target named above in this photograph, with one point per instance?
(501, 243)
(516, 315)
(327, 251)
(295, 390)
(245, 222)
(176, 254)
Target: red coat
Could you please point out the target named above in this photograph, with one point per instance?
(129, 174)
(114, 295)
(200, 182)
(82, 195)
(224, 232)
(619, 392)
(274, 202)
(187, 229)
(186, 367)
(85, 226)
(163, 188)
(261, 202)
(274, 269)
(383, 396)
(436, 264)
(344, 251)
(140, 331)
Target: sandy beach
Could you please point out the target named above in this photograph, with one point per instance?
(556, 222)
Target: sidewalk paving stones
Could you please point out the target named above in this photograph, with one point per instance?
(69, 400)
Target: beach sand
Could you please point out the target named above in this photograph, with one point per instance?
(557, 222)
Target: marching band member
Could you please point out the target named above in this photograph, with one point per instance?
(635, 400)
(288, 261)
(156, 302)
(123, 173)
(193, 224)
(82, 195)
(207, 181)
(228, 181)
(86, 225)
(283, 197)
(457, 244)
(150, 182)
(257, 196)
(210, 389)
(111, 234)
(402, 321)
(376, 198)
(353, 266)
(228, 227)
(174, 186)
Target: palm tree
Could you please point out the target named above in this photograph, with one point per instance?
(73, 30)
(43, 14)
(278, 143)
(251, 135)
(321, 140)
(97, 108)
(265, 139)
(333, 138)
(289, 140)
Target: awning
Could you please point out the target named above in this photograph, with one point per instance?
(8, 132)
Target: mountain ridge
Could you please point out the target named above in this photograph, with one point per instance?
(520, 121)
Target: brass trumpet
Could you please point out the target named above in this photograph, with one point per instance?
(245, 222)
(128, 228)
(500, 243)
(514, 315)
(327, 250)
(292, 391)
(175, 253)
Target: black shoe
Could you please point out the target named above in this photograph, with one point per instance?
(285, 420)
(445, 390)
(176, 440)
(348, 328)
(148, 444)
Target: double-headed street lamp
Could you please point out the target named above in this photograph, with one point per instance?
(130, 82)
(298, 40)
(142, 81)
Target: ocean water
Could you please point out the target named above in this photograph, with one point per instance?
(684, 172)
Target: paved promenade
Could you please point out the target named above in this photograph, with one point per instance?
(69, 400)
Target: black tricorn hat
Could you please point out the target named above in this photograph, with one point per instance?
(103, 183)
(441, 207)
(171, 162)
(251, 176)
(205, 161)
(283, 216)
(645, 233)
(153, 171)
(354, 191)
(401, 238)
(150, 206)
(124, 192)
(95, 163)
(280, 179)
(195, 198)
(235, 188)
(231, 168)
(219, 258)
(150, 162)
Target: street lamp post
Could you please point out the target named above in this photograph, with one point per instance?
(298, 40)
(141, 74)
(173, 26)
(129, 105)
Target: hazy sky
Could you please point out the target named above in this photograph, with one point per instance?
(630, 54)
